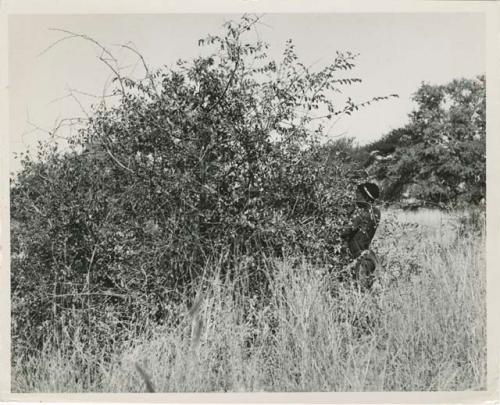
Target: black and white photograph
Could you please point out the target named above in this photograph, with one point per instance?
(248, 202)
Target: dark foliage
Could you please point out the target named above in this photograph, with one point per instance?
(439, 157)
(214, 164)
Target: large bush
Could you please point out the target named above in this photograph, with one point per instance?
(216, 160)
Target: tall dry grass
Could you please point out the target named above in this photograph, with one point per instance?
(423, 327)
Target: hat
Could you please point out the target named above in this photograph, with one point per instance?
(369, 190)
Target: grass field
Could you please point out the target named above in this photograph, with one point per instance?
(422, 327)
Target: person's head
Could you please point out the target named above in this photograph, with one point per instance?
(368, 192)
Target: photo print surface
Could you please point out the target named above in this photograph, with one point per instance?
(247, 202)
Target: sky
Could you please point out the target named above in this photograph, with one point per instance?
(397, 52)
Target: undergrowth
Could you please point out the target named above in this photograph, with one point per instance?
(421, 328)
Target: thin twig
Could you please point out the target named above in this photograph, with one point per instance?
(77, 100)
(117, 161)
(144, 64)
(103, 59)
(229, 82)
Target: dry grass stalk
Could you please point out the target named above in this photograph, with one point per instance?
(146, 378)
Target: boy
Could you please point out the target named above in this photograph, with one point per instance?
(358, 235)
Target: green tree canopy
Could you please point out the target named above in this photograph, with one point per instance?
(441, 153)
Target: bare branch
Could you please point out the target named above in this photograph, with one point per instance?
(77, 100)
(229, 82)
(83, 93)
(144, 64)
(106, 60)
(54, 44)
(116, 160)
(90, 39)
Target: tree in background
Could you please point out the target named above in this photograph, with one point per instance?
(440, 155)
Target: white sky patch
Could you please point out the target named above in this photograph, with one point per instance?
(397, 52)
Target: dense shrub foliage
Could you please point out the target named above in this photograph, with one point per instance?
(421, 328)
(215, 160)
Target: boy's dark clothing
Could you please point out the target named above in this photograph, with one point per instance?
(359, 233)
(357, 236)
